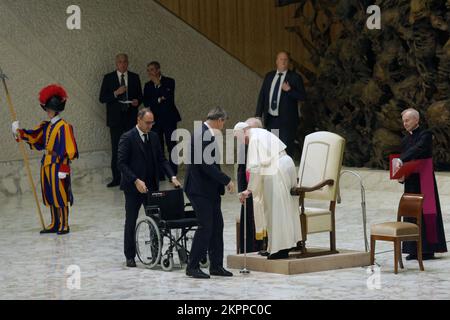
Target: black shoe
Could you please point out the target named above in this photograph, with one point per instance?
(197, 273)
(428, 256)
(221, 272)
(113, 184)
(282, 254)
(45, 231)
(263, 253)
(63, 232)
(425, 256)
(131, 263)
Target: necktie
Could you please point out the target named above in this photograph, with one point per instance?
(274, 103)
(123, 96)
(146, 137)
(122, 84)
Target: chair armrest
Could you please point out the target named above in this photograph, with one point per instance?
(297, 191)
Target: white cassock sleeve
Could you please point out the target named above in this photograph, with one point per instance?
(256, 186)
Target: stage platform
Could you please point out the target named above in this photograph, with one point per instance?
(342, 260)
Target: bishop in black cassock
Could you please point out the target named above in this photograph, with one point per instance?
(417, 145)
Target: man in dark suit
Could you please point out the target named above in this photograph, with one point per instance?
(159, 96)
(121, 91)
(204, 184)
(139, 159)
(278, 101)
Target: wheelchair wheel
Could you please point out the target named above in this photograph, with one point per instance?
(167, 263)
(204, 263)
(148, 242)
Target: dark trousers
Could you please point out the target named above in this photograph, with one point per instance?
(165, 134)
(116, 132)
(286, 133)
(133, 203)
(209, 235)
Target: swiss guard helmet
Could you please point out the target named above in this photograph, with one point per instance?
(53, 97)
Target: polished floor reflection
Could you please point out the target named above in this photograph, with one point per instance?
(38, 266)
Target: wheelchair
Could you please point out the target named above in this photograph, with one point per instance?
(165, 228)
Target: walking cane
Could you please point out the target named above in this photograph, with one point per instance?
(22, 148)
(244, 270)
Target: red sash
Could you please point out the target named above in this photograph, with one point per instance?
(426, 172)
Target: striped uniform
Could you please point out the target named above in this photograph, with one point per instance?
(58, 142)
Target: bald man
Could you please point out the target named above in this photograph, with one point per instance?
(278, 100)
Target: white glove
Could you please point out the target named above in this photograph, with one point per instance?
(14, 127)
(62, 175)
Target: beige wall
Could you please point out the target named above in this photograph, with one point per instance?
(36, 48)
(253, 31)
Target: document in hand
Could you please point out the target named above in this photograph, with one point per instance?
(405, 170)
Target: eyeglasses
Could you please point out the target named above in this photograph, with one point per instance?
(149, 122)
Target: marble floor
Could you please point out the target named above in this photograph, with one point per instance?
(41, 267)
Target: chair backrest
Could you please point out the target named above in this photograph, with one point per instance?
(170, 204)
(411, 206)
(322, 157)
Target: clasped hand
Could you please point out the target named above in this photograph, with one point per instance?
(244, 195)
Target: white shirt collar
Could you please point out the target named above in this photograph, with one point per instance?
(209, 128)
(283, 72)
(119, 74)
(158, 85)
(412, 131)
(55, 119)
(141, 133)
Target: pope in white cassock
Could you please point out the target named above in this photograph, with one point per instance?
(272, 174)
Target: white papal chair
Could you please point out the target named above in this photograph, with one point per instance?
(318, 178)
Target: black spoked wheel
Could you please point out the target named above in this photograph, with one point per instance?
(167, 262)
(148, 242)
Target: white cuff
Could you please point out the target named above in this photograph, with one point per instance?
(62, 175)
(14, 127)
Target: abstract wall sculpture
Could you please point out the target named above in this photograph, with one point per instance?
(362, 79)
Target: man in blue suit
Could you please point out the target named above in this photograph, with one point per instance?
(204, 184)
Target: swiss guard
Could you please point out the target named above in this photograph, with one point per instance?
(57, 139)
